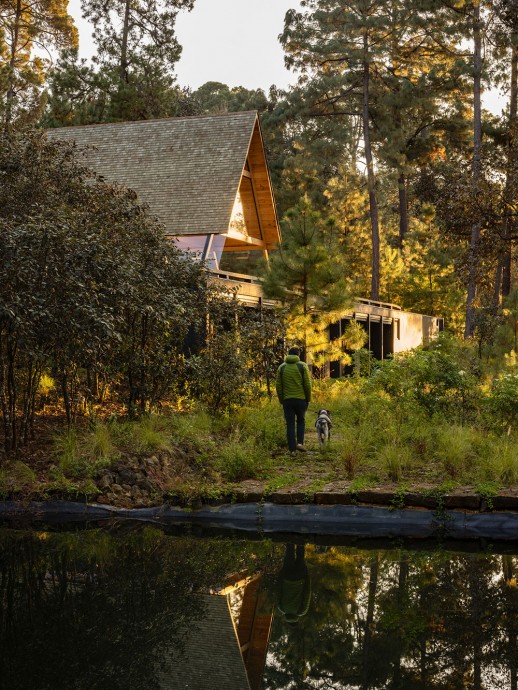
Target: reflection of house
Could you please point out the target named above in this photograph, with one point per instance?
(205, 178)
(389, 330)
(211, 658)
(226, 648)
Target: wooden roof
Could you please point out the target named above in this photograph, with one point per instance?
(188, 170)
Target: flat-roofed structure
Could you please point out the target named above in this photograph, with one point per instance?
(389, 330)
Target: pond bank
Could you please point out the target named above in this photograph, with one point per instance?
(282, 514)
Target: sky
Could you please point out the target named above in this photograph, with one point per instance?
(234, 42)
(231, 41)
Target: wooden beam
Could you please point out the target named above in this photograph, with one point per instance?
(245, 239)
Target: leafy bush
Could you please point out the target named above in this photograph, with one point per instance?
(455, 449)
(241, 459)
(502, 401)
(265, 424)
(443, 381)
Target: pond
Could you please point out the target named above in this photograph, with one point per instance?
(135, 607)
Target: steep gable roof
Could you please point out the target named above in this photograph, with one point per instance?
(211, 657)
(187, 170)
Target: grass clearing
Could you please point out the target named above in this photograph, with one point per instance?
(386, 430)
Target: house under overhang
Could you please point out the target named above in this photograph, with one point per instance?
(205, 178)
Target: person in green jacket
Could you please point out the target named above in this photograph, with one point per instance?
(294, 585)
(293, 386)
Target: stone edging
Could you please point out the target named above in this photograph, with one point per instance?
(339, 493)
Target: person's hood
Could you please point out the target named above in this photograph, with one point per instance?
(292, 359)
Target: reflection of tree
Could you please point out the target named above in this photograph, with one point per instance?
(96, 610)
(91, 610)
(510, 616)
(406, 621)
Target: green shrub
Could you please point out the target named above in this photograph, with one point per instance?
(238, 460)
(16, 475)
(455, 449)
(395, 460)
(418, 434)
(443, 379)
(98, 444)
(265, 424)
(151, 434)
(502, 401)
(79, 456)
(351, 450)
(502, 465)
(66, 447)
(193, 431)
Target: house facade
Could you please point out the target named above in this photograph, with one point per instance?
(205, 178)
(388, 328)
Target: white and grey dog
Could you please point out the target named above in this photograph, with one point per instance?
(323, 426)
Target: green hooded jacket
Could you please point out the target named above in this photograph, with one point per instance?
(291, 382)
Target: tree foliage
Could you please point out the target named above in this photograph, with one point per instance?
(132, 75)
(308, 275)
(28, 30)
(89, 287)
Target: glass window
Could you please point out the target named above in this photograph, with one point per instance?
(244, 262)
(237, 219)
(205, 247)
(215, 252)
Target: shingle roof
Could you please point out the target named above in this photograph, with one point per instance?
(187, 169)
(211, 659)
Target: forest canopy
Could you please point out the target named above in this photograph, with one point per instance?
(392, 183)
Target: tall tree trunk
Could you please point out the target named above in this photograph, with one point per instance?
(475, 168)
(510, 183)
(367, 638)
(510, 619)
(475, 606)
(402, 594)
(403, 208)
(371, 178)
(123, 69)
(10, 94)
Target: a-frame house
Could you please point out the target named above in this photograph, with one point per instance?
(206, 179)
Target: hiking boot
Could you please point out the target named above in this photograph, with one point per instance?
(301, 448)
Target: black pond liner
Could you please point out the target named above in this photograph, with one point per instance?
(271, 519)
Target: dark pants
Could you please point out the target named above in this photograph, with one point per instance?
(294, 566)
(294, 409)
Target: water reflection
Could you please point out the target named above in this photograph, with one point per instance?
(144, 610)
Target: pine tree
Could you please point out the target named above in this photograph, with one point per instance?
(506, 54)
(476, 167)
(26, 28)
(393, 66)
(338, 44)
(308, 275)
(132, 76)
(137, 49)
